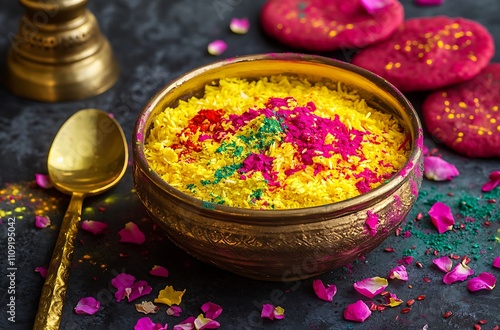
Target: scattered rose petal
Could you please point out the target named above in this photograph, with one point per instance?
(187, 324)
(392, 300)
(146, 307)
(437, 169)
(94, 227)
(88, 306)
(494, 178)
(159, 271)
(169, 296)
(121, 282)
(42, 270)
(43, 181)
(371, 223)
(138, 289)
(444, 263)
(399, 272)
(370, 287)
(174, 310)
(211, 310)
(441, 217)
(406, 260)
(131, 234)
(325, 293)
(145, 323)
(428, 2)
(217, 47)
(484, 281)
(202, 322)
(357, 312)
(239, 25)
(279, 313)
(42, 221)
(124, 283)
(271, 312)
(496, 262)
(459, 273)
(374, 6)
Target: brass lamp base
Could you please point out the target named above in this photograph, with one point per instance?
(66, 58)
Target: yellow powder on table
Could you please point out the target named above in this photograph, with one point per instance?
(275, 143)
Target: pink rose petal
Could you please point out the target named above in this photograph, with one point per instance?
(239, 25)
(425, 150)
(159, 271)
(121, 282)
(131, 234)
(494, 180)
(441, 217)
(42, 221)
(437, 169)
(371, 223)
(399, 272)
(357, 312)
(484, 281)
(444, 263)
(202, 322)
(211, 310)
(496, 262)
(88, 306)
(370, 287)
(145, 323)
(428, 2)
(459, 273)
(42, 270)
(43, 181)
(374, 6)
(174, 310)
(217, 47)
(325, 293)
(187, 324)
(392, 300)
(94, 227)
(138, 289)
(271, 312)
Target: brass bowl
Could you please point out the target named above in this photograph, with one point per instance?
(280, 245)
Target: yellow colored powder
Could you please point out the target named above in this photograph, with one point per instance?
(275, 143)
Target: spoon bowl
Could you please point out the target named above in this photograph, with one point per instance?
(89, 155)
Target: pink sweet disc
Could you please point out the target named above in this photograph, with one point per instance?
(429, 53)
(466, 116)
(327, 25)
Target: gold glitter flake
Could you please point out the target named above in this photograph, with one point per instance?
(22, 199)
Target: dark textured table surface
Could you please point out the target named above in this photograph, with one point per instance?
(154, 42)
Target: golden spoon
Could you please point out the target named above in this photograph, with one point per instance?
(88, 156)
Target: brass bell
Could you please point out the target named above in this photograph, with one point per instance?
(59, 53)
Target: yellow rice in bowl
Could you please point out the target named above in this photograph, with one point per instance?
(275, 143)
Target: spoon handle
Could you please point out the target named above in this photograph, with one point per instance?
(51, 302)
